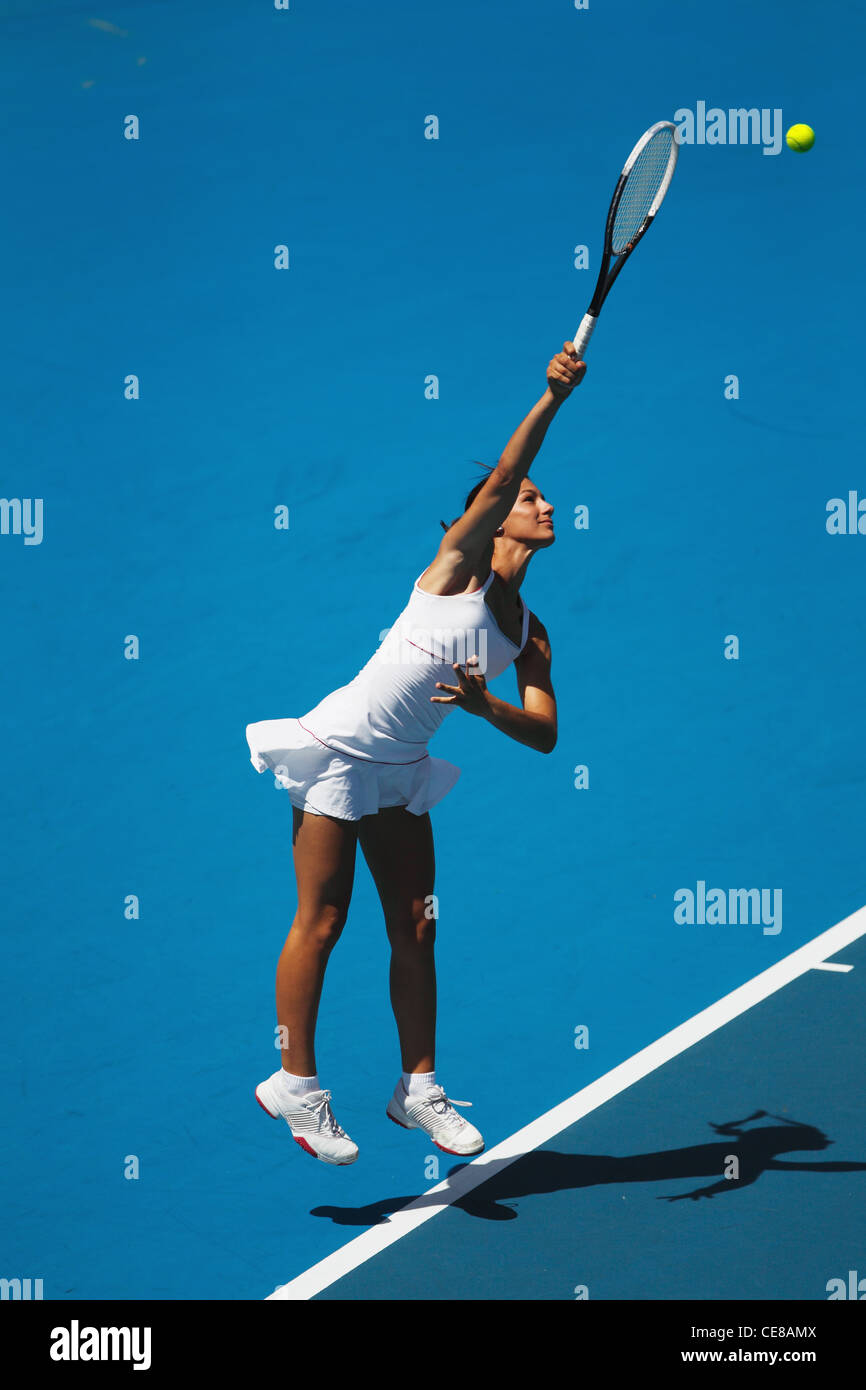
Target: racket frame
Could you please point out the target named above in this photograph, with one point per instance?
(606, 280)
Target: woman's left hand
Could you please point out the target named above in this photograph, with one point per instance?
(470, 694)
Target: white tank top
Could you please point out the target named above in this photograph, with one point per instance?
(385, 714)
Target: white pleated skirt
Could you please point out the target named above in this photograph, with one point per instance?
(330, 783)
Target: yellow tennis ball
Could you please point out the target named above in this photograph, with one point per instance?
(800, 138)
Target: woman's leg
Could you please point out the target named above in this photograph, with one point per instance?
(398, 847)
(324, 854)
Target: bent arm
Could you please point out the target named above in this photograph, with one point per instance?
(723, 1185)
(534, 724)
(532, 729)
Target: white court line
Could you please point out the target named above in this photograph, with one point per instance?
(831, 965)
(409, 1218)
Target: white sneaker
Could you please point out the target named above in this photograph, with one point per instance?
(434, 1112)
(310, 1118)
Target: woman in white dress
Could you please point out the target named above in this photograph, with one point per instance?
(357, 771)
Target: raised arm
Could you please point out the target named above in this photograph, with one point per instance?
(465, 543)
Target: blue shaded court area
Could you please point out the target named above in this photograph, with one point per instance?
(632, 1202)
(147, 881)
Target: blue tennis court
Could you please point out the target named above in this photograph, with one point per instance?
(586, 1204)
(224, 465)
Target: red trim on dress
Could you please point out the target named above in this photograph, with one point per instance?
(343, 754)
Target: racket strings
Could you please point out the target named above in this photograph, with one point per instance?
(643, 183)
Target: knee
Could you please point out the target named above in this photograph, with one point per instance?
(411, 930)
(321, 926)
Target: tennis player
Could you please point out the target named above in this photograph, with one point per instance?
(357, 770)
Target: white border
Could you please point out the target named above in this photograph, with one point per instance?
(669, 167)
(409, 1218)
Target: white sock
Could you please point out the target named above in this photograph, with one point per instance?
(298, 1085)
(416, 1082)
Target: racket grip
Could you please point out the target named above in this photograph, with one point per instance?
(584, 333)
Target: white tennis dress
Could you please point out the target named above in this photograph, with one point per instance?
(364, 746)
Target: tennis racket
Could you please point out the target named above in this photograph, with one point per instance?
(643, 183)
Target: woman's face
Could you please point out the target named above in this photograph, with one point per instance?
(531, 518)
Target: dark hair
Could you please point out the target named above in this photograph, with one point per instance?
(471, 495)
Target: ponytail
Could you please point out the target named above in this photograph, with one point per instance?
(472, 495)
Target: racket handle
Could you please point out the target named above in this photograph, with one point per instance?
(584, 333)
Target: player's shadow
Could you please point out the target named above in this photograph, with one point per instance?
(547, 1170)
